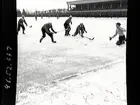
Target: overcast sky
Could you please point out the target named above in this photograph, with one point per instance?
(33, 5)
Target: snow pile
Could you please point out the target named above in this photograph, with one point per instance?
(105, 87)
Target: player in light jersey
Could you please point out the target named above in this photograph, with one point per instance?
(120, 31)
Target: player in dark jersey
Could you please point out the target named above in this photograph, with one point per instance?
(21, 25)
(46, 29)
(67, 25)
(80, 30)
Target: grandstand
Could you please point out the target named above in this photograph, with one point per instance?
(99, 8)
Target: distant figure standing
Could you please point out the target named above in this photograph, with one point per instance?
(57, 16)
(36, 17)
(41, 16)
(67, 25)
(21, 25)
(46, 29)
(80, 30)
(120, 31)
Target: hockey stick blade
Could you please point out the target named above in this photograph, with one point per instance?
(89, 38)
(30, 26)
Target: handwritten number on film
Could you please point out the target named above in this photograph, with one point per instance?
(8, 67)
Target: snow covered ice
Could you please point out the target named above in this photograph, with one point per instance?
(43, 63)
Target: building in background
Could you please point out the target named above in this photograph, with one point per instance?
(98, 8)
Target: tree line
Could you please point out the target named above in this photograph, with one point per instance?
(48, 13)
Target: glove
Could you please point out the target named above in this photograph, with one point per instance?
(125, 39)
(110, 38)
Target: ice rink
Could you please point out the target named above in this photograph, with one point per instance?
(46, 62)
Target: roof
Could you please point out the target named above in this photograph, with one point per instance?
(90, 1)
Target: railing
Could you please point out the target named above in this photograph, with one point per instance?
(98, 8)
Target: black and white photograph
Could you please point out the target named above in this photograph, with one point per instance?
(71, 52)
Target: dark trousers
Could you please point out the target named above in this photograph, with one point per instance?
(78, 31)
(67, 29)
(49, 34)
(121, 40)
(21, 26)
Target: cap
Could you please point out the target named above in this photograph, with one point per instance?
(70, 16)
(50, 23)
(23, 16)
(118, 23)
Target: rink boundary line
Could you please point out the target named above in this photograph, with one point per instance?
(93, 70)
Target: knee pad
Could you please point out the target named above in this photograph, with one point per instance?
(118, 43)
